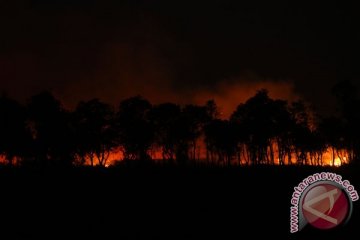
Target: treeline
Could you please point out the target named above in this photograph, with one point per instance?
(260, 131)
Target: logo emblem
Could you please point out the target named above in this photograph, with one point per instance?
(325, 206)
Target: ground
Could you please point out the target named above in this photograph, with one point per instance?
(153, 202)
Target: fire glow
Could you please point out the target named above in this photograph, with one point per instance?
(327, 158)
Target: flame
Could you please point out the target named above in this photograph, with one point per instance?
(329, 157)
(337, 160)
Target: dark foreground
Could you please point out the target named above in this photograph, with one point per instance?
(157, 203)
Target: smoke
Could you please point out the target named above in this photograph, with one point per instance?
(126, 74)
(229, 95)
(124, 71)
(84, 58)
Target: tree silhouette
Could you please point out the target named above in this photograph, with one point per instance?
(301, 133)
(282, 124)
(212, 110)
(222, 139)
(212, 113)
(95, 133)
(164, 118)
(347, 97)
(256, 118)
(135, 131)
(193, 119)
(332, 130)
(15, 139)
(50, 125)
(260, 131)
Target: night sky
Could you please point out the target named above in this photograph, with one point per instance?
(177, 51)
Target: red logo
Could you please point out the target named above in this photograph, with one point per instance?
(325, 206)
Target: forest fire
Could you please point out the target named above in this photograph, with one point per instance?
(335, 160)
(260, 130)
(327, 158)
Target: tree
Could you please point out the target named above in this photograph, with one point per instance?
(15, 138)
(95, 134)
(348, 99)
(212, 113)
(164, 118)
(212, 110)
(332, 130)
(222, 139)
(50, 126)
(305, 137)
(192, 121)
(256, 118)
(282, 124)
(135, 130)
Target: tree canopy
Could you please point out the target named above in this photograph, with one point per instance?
(261, 130)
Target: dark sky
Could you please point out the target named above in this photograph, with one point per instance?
(176, 50)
